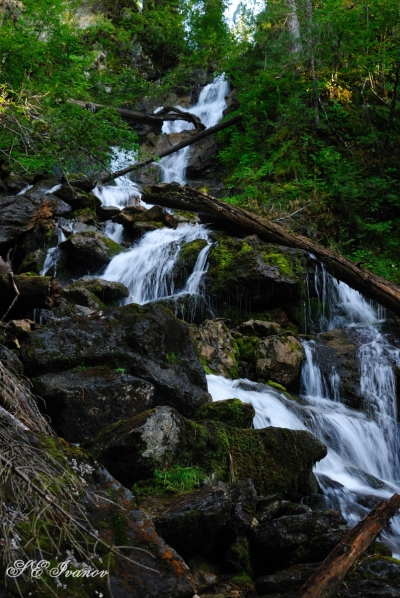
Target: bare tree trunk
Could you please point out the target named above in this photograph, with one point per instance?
(325, 581)
(294, 25)
(185, 198)
(309, 11)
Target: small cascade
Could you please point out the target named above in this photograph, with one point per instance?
(114, 231)
(53, 255)
(147, 268)
(125, 192)
(209, 109)
(363, 461)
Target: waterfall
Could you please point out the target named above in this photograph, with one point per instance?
(53, 255)
(125, 192)
(209, 109)
(363, 461)
(147, 268)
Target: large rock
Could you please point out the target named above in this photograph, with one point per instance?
(107, 291)
(186, 261)
(148, 341)
(279, 359)
(19, 215)
(136, 220)
(82, 401)
(90, 249)
(77, 198)
(335, 353)
(277, 459)
(201, 156)
(217, 348)
(33, 262)
(230, 411)
(193, 523)
(81, 296)
(246, 277)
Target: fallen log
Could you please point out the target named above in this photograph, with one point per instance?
(171, 150)
(34, 291)
(156, 121)
(325, 581)
(172, 195)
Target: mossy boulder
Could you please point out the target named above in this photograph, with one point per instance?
(279, 359)
(259, 328)
(233, 412)
(107, 291)
(77, 198)
(277, 459)
(217, 348)
(146, 341)
(81, 296)
(186, 261)
(336, 354)
(33, 262)
(82, 401)
(247, 276)
(137, 221)
(90, 249)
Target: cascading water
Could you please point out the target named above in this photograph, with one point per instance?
(209, 109)
(147, 268)
(362, 464)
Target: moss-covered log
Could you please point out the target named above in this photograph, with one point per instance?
(35, 291)
(185, 198)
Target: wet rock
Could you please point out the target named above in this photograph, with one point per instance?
(3, 188)
(186, 261)
(146, 340)
(90, 249)
(275, 541)
(133, 216)
(193, 309)
(82, 401)
(18, 215)
(279, 359)
(107, 212)
(373, 577)
(33, 262)
(285, 581)
(277, 459)
(259, 328)
(81, 296)
(194, 523)
(246, 277)
(217, 348)
(230, 411)
(336, 355)
(280, 317)
(244, 505)
(78, 199)
(108, 292)
(15, 183)
(11, 361)
(201, 156)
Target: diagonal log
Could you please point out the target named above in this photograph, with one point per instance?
(171, 150)
(325, 581)
(169, 113)
(185, 198)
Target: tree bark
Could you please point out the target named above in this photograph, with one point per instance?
(185, 198)
(35, 291)
(173, 149)
(326, 580)
(139, 116)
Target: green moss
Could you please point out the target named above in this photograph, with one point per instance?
(119, 523)
(276, 385)
(31, 274)
(233, 412)
(247, 346)
(85, 212)
(281, 261)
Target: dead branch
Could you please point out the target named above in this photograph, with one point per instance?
(326, 580)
